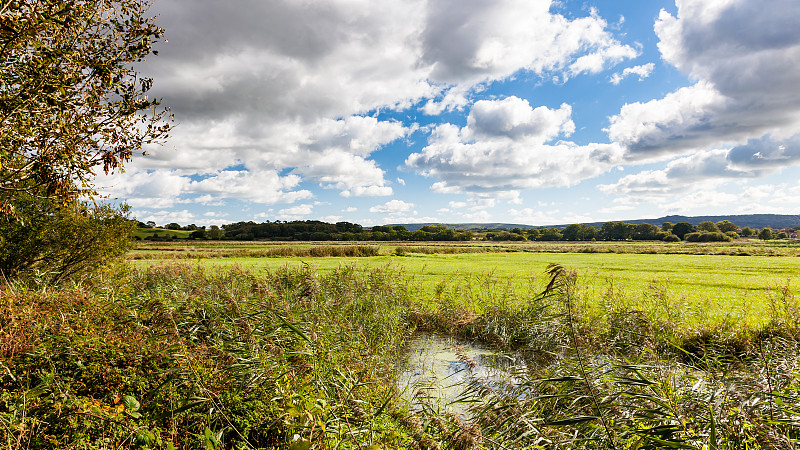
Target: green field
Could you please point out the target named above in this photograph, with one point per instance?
(712, 285)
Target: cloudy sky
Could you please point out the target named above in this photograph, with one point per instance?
(522, 111)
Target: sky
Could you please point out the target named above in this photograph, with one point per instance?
(532, 112)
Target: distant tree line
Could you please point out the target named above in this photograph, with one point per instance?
(313, 230)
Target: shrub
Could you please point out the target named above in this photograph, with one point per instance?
(670, 238)
(56, 242)
(715, 236)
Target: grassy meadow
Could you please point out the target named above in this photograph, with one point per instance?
(298, 346)
(715, 281)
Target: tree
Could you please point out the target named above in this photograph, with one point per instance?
(71, 100)
(765, 234)
(647, 232)
(680, 229)
(747, 231)
(726, 226)
(707, 226)
(214, 233)
(616, 231)
(55, 242)
(571, 232)
(579, 232)
(667, 226)
(551, 234)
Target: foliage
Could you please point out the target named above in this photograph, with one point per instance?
(681, 229)
(71, 100)
(706, 236)
(669, 237)
(708, 226)
(293, 358)
(579, 232)
(55, 242)
(765, 234)
(617, 231)
(727, 226)
(231, 361)
(314, 230)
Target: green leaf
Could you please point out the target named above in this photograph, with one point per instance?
(300, 445)
(130, 403)
(572, 420)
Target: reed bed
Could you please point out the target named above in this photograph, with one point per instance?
(188, 356)
(274, 251)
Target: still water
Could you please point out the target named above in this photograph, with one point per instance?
(447, 375)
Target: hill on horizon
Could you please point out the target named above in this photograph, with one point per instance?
(743, 220)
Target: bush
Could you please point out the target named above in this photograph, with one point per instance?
(55, 242)
(671, 238)
(715, 236)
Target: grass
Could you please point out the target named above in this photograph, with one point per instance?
(722, 285)
(297, 358)
(144, 233)
(300, 352)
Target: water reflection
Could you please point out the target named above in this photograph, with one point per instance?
(447, 375)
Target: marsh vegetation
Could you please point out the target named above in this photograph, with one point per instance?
(198, 354)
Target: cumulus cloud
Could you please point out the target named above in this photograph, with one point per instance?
(642, 72)
(392, 207)
(742, 54)
(504, 148)
(287, 85)
(297, 212)
(164, 217)
(468, 42)
(164, 188)
(551, 217)
(757, 158)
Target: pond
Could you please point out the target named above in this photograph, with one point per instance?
(446, 375)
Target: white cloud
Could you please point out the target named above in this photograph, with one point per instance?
(514, 118)
(392, 207)
(265, 187)
(413, 219)
(642, 72)
(742, 55)
(757, 158)
(284, 85)
(468, 42)
(164, 217)
(699, 201)
(530, 216)
(298, 212)
(503, 148)
(156, 189)
(477, 216)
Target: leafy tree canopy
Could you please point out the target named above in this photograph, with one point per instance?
(71, 101)
(57, 242)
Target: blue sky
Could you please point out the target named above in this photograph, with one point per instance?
(520, 111)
